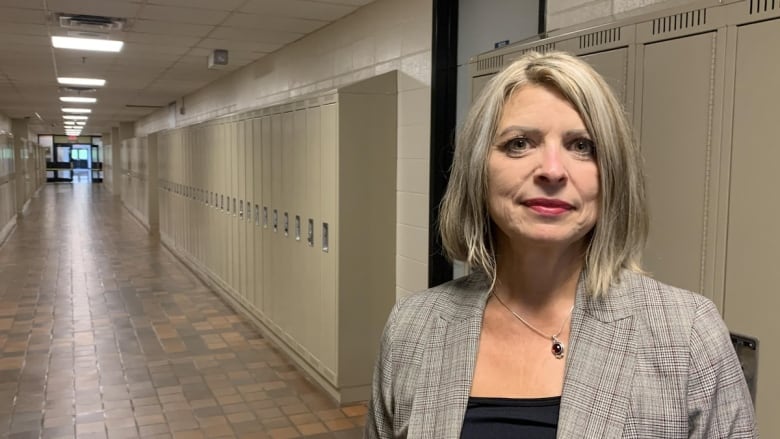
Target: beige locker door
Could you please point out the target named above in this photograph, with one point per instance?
(287, 306)
(311, 219)
(224, 199)
(302, 330)
(234, 239)
(676, 93)
(248, 225)
(266, 214)
(203, 184)
(219, 174)
(752, 299)
(241, 259)
(328, 246)
(257, 220)
(613, 66)
(478, 83)
(275, 217)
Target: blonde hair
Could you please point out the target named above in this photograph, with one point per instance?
(617, 239)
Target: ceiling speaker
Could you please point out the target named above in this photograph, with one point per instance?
(218, 59)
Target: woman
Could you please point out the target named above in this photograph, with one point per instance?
(556, 333)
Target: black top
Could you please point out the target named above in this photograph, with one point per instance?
(499, 418)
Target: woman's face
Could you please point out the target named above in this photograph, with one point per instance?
(543, 181)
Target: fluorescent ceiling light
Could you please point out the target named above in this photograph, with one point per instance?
(70, 122)
(87, 44)
(76, 110)
(78, 99)
(75, 117)
(80, 122)
(82, 81)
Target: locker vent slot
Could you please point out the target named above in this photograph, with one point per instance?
(598, 38)
(492, 63)
(759, 6)
(683, 20)
(542, 48)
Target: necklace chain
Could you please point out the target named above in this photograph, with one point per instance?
(554, 338)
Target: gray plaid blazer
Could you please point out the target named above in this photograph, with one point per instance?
(645, 361)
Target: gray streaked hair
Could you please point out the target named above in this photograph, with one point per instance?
(618, 238)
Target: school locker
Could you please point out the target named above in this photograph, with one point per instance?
(753, 243)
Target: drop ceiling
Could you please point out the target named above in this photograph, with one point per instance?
(167, 43)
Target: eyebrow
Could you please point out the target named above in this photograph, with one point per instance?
(537, 132)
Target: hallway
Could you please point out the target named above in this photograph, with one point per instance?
(103, 333)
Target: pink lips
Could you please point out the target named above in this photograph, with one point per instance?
(548, 206)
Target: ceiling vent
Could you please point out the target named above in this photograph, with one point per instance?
(77, 90)
(90, 23)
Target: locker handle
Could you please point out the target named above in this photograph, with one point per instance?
(286, 224)
(265, 217)
(325, 247)
(257, 215)
(234, 206)
(241, 211)
(297, 227)
(310, 234)
(276, 220)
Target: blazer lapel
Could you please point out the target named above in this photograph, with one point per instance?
(447, 370)
(599, 369)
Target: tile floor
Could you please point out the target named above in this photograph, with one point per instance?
(103, 333)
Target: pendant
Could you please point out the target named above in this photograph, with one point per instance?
(558, 348)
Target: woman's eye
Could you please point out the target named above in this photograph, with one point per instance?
(516, 146)
(584, 147)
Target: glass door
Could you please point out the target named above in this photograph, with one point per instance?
(62, 167)
(79, 157)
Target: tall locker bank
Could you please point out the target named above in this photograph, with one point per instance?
(701, 86)
(290, 214)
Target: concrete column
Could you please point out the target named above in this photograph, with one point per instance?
(20, 132)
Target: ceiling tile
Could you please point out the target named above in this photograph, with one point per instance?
(171, 40)
(297, 9)
(238, 45)
(24, 4)
(182, 14)
(255, 35)
(221, 5)
(142, 50)
(24, 29)
(168, 28)
(263, 21)
(17, 15)
(26, 40)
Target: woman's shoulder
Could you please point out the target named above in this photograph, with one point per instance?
(663, 304)
(454, 300)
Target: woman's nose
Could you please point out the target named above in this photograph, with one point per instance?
(551, 168)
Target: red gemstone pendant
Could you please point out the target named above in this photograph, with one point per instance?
(557, 348)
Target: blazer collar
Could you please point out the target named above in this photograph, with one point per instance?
(448, 362)
(600, 365)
